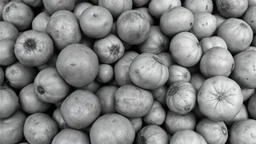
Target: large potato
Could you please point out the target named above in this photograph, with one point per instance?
(78, 65)
(80, 109)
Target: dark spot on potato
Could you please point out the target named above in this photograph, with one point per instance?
(158, 60)
(243, 25)
(73, 64)
(114, 49)
(253, 136)
(186, 75)
(10, 6)
(30, 44)
(170, 6)
(40, 90)
(187, 108)
(13, 72)
(221, 97)
(246, 78)
(140, 15)
(224, 130)
(191, 24)
(173, 89)
(56, 34)
(7, 9)
(206, 7)
(114, 121)
(95, 15)
(225, 5)
(141, 140)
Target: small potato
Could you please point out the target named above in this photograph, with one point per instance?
(156, 42)
(197, 80)
(210, 42)
(152, 134)
(19, 75)
(59, 119)
(39, 23)
(8, 31)
(93, 86)
(106, 96)
(29, 101)
(137, 123)
(39, 128)
(156, 115)
(50, 87)
(80, 7)
(19, 14)
(33, 48)
(205, 24)
(247, 93)
(80, 109)
(181, 97)
(121, 68)
(214, 132)
(132, 101)
(109, 49)
(63, 27)
(96, 22)
(176, 20)
(178, 73)
(132, 27)
(175, 122)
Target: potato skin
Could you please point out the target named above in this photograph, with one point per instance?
(243, 131)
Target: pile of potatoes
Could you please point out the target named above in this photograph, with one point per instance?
(127, 71)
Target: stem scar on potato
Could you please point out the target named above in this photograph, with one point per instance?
(172, 90)
(40, 90)
(225, 5)
(29, 44)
